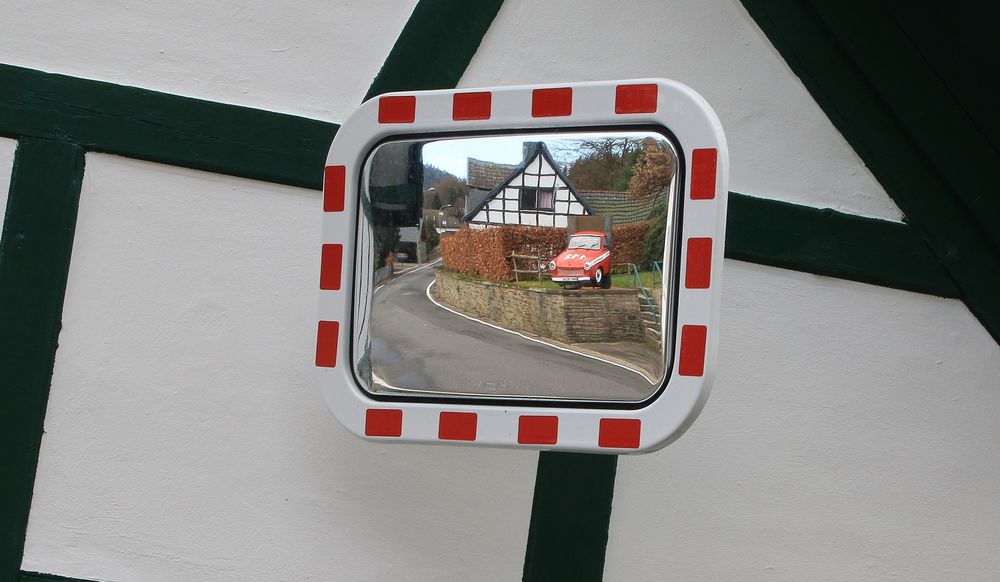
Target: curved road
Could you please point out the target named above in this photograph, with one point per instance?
(419, 345)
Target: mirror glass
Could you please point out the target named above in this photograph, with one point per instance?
(517, 266)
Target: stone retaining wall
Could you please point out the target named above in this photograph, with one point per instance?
(579, 316)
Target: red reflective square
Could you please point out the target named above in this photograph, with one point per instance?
(384, 422)
(703, 169)
(457, 426)
(537, 430)
(619, 433)
(397, 109)
(698, 273)
(326, 344)
(556, 102)
(635, 98)
(466, 106)
(692, 350)
(334, 182)
(330, 267)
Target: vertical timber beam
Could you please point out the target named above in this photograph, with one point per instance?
(34, 263)
(571, 511)
(570, 516)
(436, 45)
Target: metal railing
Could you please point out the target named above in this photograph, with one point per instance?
(644, 291)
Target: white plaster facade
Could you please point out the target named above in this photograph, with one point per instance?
(303, 59)
(186, 437)
(851, 433)
(780, 143)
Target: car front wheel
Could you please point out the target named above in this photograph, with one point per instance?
(599, 277)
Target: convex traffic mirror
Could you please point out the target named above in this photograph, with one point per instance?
(517, 266)
(529, 266)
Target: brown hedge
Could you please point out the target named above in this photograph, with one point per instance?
(627, 241)
(486, 252)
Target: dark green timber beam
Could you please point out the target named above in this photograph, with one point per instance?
(285, 149)
(833, 244)
(163, 128)
(866, 67)
(34, 263)
(38, 577)
(436, 45)
(570, 514)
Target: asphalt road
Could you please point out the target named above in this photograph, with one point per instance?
(418, 345)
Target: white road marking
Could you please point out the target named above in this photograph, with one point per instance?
(405, 273)
(431, 264)
(376, 379)
(538, 341)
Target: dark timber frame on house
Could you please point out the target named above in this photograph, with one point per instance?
(873, 68)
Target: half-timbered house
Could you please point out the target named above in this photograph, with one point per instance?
(535, 193)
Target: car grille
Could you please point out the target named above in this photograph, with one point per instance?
(571, 272)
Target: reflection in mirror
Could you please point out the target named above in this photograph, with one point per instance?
(517, 266)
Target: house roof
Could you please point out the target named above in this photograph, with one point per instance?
(485, 175)
(622, 207)
(476, 197)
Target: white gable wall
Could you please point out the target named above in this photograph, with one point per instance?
(504, 208)
(850, 435)
(781, 144)
(185, 436)
(314, 59)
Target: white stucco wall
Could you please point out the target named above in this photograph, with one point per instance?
(7, 148)
(310, 58)
(318, 58)
(185, 436)
(781, 144)
(850, 435)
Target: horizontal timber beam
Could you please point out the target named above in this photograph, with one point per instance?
(164, 128)
(285, 149)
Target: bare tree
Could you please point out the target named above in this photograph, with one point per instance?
(653, 169)
(602, 163)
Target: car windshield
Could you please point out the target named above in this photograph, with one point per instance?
(588, 242)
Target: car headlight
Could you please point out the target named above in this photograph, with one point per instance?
(587, 266)
(552, 265)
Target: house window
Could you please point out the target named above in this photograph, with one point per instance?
(546, 199)
(538, 199)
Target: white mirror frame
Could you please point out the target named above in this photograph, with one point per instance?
(549, 425)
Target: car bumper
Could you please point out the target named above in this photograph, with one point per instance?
(573, 279)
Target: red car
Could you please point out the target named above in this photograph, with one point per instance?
(586, 261)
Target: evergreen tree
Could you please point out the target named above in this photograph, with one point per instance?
(430, 235)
